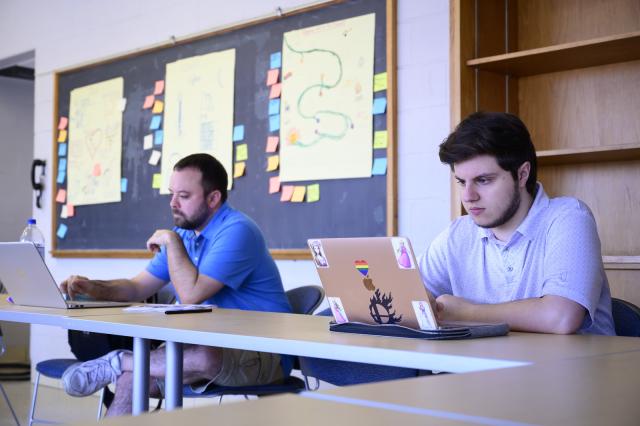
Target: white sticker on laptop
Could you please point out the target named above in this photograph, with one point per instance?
(403, 254)
(425, 317)
(337, 309)
(318, 254)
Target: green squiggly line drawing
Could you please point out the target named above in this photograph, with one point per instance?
(318, 114)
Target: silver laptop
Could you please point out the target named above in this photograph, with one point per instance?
(30, 283)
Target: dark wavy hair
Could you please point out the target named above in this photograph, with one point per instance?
(214, 176)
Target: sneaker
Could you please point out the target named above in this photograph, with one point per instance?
(85, 378)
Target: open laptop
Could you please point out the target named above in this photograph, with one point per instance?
(376, 281)
(30, 283)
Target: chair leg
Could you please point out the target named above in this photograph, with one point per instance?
(308, 386)
(33, 399)
(6, 398)
(100, 402)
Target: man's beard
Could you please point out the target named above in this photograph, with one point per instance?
(193, 222)
(509, 212)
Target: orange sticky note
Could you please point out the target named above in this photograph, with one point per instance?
(97, 170)
(62, 196)
(298, 194)
(70, 210)
(159, 87)
(275, 91)
(273, 162)
(238, 169)
(62, 135)
(274, 184)
(148, 102)
(62, 124)
(287, 192)
(158, 106)
(272, 143)
(272, 76)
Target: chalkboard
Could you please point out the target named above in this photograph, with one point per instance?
(347, 207)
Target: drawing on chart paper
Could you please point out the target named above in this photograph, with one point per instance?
(198, 114)
(95, 143)
(326, 101)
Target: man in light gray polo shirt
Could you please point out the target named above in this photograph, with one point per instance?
(519, 256)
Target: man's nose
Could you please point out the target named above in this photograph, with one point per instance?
(469, 193)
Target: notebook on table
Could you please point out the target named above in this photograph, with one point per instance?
(373, 286)
(30, 283)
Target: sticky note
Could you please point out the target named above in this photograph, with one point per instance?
(276, 60)
(298, 194)
(379, 105)
(62, 231)
(62, 123)
(158, 107)
(272, 143)
(287, 193)
(273, 162)
(379, 166)
(71, 211)
(62, 196)
(62, 135)
(62, 150)
(313, 193)
(275, 91)
(272, 76)
(148, 141)
(238, 169)
(274, 184)
(155, 122)
(124, 182)
(238, 132)
(123, 104)
(63, 212)
(380, 82)
(154, 158)
(157, 181)
(61, 175)
(380, 139)
(274, 106)
(274, 123)
(242, 152)
(158, 137)
(97, 170)
(148, 102)
(159, 87)
(62, 164)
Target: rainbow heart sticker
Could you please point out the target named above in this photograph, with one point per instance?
(363, 267)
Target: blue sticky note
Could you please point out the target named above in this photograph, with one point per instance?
(274, 106)
(155, 122)
(379, 166)
(158, 137)
(62, 164)
(274, 123)
(379, 105)
(62, 149)
(123, 184)
(238, 133)
(62, 231)
(61, 176)
(276, 60)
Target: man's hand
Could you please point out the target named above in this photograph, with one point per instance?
(75, 285)
(453, 308)
(162, 237)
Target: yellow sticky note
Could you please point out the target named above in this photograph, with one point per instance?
(62, 135)
(298, 194)
(238, 169)
(157, 181)
(274, 184)
(313, 193)
(287, 192)
(158, 107)
(242, 152)
(273, 162)
(380, 138)
(380, 82)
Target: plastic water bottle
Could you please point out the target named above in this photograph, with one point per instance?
(33, 235)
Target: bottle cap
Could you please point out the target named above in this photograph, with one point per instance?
(31, 221)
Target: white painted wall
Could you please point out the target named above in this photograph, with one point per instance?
(67, 33)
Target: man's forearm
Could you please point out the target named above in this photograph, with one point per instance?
(122, 290)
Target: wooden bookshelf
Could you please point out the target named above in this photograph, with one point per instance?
(589, 155)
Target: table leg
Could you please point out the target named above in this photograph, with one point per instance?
(140, 375)
(173, 376)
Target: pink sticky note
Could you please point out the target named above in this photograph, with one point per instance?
(287, 192)
(62, 196)
(272, 76)
(272, 143)
(159, 87)
(148, 101)
(275, 91)
(62, 124)
(97, 170)
(274, 184)
(70, 210)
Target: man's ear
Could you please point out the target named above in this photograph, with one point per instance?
(523, 173)
(213, 199)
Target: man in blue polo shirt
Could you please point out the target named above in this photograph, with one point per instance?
(215, 255)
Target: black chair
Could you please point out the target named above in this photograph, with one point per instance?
(344, 373)
(626, 317)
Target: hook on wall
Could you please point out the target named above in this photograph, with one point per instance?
(38, 182)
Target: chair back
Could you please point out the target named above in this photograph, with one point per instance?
(626, 317)
(305, 299)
